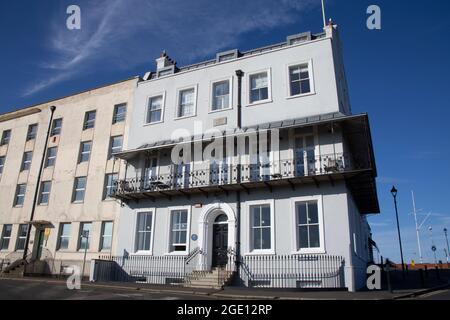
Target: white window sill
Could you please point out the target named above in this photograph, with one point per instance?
(185, 117)
(220, 110)
(142, 253)
(77, 202)
(260, 253)
(301, 95)
(177, 253)
(153, 123)
(309, 251)
(259, 102)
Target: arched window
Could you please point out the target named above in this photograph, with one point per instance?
(221, 219)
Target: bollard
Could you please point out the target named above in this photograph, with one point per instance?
(388, 276)
(426, 271)
(422, 279)
(437, 273)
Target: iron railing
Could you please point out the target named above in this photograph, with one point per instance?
(168, 269)
(259, 271)
(226, 174)
(292, 271)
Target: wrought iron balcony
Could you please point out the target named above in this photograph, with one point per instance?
(229, 177)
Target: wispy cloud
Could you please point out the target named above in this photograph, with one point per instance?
(126, 33)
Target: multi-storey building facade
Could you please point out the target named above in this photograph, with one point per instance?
(250, 167)
(70, 196)
(288, 190)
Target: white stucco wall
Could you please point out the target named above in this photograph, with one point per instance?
(60, 208)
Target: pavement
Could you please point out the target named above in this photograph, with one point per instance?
(55, 289)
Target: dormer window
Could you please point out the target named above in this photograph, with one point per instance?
(227, 55)
(298, 38)
(166, 71)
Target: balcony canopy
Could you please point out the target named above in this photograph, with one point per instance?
(356, 121)
(360, 179)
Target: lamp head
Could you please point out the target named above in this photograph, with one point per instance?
(394, 191)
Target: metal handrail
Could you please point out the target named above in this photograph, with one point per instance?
(260, 171)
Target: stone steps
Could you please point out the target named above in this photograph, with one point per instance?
(208, 279)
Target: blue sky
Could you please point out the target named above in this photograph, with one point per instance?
(399, 75)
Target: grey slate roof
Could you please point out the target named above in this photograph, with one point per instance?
(236, 131)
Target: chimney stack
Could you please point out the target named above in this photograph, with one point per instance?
(164, 61)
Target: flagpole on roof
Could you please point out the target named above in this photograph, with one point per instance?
(323, 14)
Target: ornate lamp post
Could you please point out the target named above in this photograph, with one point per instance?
(394, 195)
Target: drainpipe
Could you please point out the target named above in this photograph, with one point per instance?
(38, 182)
(239, 74)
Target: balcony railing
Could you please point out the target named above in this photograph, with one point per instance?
(221, 174)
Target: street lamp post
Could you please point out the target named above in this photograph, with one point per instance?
(394, 194)
(433, 247)
(446, 239)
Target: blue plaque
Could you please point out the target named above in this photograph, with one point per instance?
(194, 237)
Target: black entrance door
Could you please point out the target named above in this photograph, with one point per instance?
(220, 243)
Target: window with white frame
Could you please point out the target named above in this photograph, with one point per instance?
(155, 109)
(299, 79)
(32, 132)
(106, 237)
(259, 87)
(89, 120)
(64, 236)
(6, 136)
(79, 189)
(120, 113)
(186, 103)
(44, 195)
(26, 161)
(307, 225)
(144, 230)
(6, 237)
(85, 151)
(115, 145)
(56, 127)
(2, 164)
(261, 224)
(21, 237)
(109, 185)
(20, 195)
(51, 157)
(221, 95)
(84, 236)
(178, 230)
